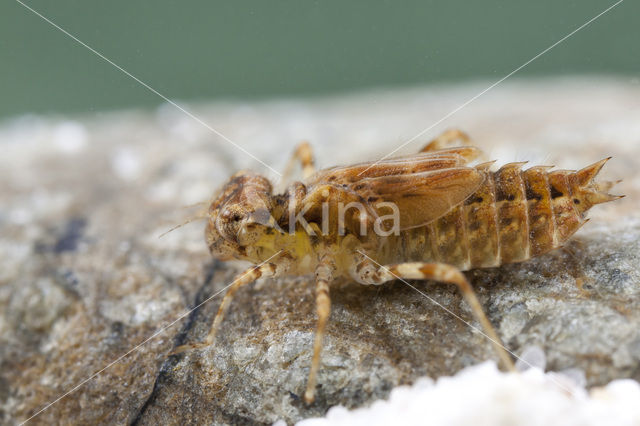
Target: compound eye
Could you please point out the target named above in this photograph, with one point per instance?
(228, 223)
(230, 215)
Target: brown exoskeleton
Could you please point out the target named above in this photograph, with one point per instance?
(425, 216)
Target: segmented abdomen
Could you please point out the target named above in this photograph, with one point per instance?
(512, 217)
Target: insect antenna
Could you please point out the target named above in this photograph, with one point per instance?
(190, 206)
(200, 216)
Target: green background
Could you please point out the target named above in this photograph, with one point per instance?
(200, 50)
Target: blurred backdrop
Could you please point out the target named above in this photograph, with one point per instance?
(202, 50)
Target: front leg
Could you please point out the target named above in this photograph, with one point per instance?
(368, 271)
(247, 277)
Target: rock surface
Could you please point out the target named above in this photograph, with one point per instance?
(84, 278)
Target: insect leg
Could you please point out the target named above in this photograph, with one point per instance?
(304, 155)
(443, 273)
(247, 277)
(324, 275)
(446, 140)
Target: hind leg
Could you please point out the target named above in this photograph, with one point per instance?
(370, 272)
(446, 140)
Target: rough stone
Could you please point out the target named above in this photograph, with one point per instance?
(84, 278)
